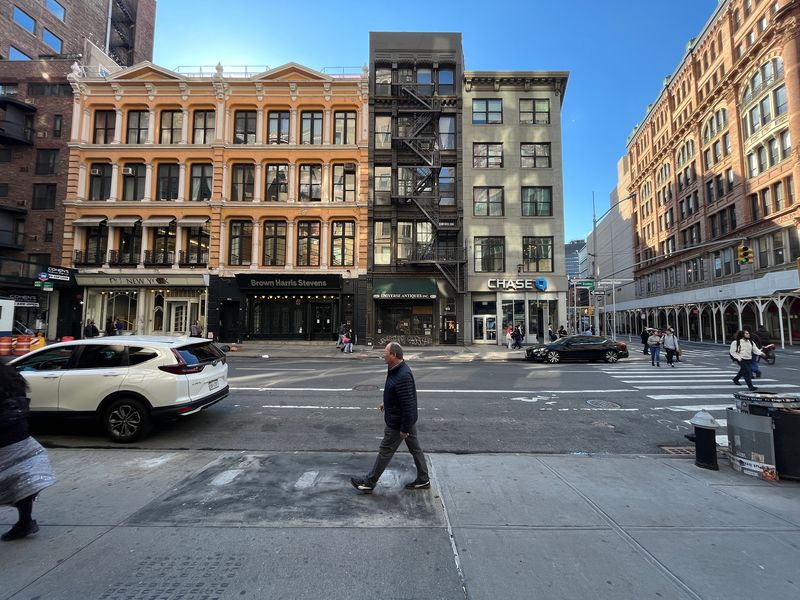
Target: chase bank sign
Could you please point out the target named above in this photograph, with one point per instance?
(518, 284)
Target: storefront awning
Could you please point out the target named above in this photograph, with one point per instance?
(123, 221)
(193, 221)
(89, 221)
(158, 221)
(413, 288)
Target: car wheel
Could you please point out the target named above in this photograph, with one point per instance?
(126, 420)
(610, 356)
(553, 357)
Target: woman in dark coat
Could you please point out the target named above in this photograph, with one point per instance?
(24, 467)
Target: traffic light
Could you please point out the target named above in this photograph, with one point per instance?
(745, 255)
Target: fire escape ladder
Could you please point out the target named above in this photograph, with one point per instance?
(452, 272)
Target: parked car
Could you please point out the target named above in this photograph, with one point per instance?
(578, 347)
(127, 381)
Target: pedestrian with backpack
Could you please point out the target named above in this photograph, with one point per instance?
(654, 342)
(742, 351)
(670, 341)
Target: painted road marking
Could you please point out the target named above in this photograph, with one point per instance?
(688, 396)
(696, 407)
(707, 387)
(306, 480)
(318, 407)
(226, 477)
(450, 391)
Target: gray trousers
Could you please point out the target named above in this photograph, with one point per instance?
(389, 445)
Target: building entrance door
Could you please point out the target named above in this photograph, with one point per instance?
(322, 324)
(484, 329)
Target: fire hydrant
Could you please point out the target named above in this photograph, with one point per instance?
(705, 440)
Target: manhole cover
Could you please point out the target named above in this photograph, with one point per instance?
(602, 404)
(365, 388)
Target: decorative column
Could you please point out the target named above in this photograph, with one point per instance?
(290, 245)
(323, 247)
(114, 182)
(292, 182)
(148, 182)
(293, 127)
(75, 135)
(117, 126)
(86, 124)
(258, 184)
(176, 261)
(225, 190)
(222, 242)
(145, 233)
(82, 181)
(182, 182)
(326, 126)
(325, 178)
(364, 129)
(260, 126)
(151, 126)
(255, 258)
(227, 133)
(219, 122)
(185, 127)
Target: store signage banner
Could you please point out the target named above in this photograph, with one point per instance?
(290, 282)
(518, 284)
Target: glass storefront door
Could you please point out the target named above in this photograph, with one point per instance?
(484, 329)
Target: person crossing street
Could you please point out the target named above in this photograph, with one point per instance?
(742, 351)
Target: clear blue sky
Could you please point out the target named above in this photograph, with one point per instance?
(617, 52)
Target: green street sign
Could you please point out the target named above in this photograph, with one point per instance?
(585, 284)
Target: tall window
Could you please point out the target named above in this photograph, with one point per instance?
(537, 254)
(44, 196)
(52, 40)
(487, 111)
(24, 20)
(311, 127)
(383, 185)
(534, 111)
(537, 202)
(244, 127)
(277, 183)
(383, 132)
(447, 82)
(489, 254)
(383, 81)
(163, 252)
(49, 227)
(46, 161)
(487, 156)
(104, 121)
(308, 243)
(138, 121)
(382, 243)
(100, 181)
(424, 82)
(240, 243)
(447, 133)
(344, 131)
(168, 177)
(278, 127)
(171, 126)
(203, 127)
(58, 125)
(487, 201)
(195, 245)
(343, 246)
(535, 156)
(242, 183)
(447, 186)
(133, 177)
(274, 247)
(201, 181)
(96, 244)
(310, 186)
(344, 183)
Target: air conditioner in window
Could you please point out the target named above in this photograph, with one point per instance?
(94, 172)
(41, 134)
(128, 171)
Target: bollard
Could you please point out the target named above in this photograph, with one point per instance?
(705, 440)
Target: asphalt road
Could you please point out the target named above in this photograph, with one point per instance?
(478, 407)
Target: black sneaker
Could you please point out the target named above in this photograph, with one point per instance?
(418, 484)
(736, 382)
(361, 484)
(753, 389)
(17, 532)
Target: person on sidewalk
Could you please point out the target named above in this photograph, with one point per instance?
(399, 408)
(757, 341)
(517, 336)
(347, 340)
(24, 467)
(509, 336)
(341, 331)
(110, 329)
(670, 341)
(90, 331)
(553, 337)
(562, 332)
(654, 343)
(742, 351)
(645, 334)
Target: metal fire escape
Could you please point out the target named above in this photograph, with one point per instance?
(121, 33)
(417, 130)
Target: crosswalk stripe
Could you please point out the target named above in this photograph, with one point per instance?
(698, 407)
(670, 381)
(708, 387)
(722, 423)
(687, 396)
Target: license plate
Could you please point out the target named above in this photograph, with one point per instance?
(212, 385)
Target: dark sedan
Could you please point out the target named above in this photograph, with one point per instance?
(578, 347)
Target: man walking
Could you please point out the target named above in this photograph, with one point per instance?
(399, 408)
(742, 351)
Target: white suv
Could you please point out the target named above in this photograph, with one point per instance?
(128, 381)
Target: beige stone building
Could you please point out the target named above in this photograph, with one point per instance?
(513, 203)
(714, 166)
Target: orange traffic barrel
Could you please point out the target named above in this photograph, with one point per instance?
(23, 345)
(67, 338)
(5, 346)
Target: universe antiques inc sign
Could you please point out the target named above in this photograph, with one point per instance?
(274, 283)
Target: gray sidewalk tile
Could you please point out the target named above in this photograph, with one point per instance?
(508, 490)
(27, 560)
(557, 565)
(725, 476)
(721, 565)
(646, 492)
(783, 501)
(294, 490)
(257, 564)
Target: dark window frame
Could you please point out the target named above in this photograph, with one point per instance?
(100, 184)
(46, 161)
(241, 235)
(343, 187)
(531, 206)
(345, 242)
(245, 126)
(482, 107)
(489, 262)
(202, 132)
(167, 178)
(488, 201)
(481, 151)
(104, 124)
(310, 187)
(530, 261)
(274, 243)
(135, 184)
(347, 121)
(278, 127)
(170, 124)
(535, 155)
(276, 187)
(534, 111)
(136, 131)
(312, 119)
(44, 196)
(242, 182)
(201, 179)
(309, 235)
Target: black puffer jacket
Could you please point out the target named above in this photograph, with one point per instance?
(13, 419)
(400, 398)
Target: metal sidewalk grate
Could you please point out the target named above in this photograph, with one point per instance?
(681, 450)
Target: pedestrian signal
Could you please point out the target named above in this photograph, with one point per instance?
(745, 255)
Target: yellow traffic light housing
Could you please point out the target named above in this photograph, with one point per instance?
(745, 255)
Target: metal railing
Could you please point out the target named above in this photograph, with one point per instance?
(115, 257)
(16, 131)
(196, 259)
(159, 257)
(88, 257)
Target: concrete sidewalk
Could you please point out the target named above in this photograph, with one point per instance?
(138, 524)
